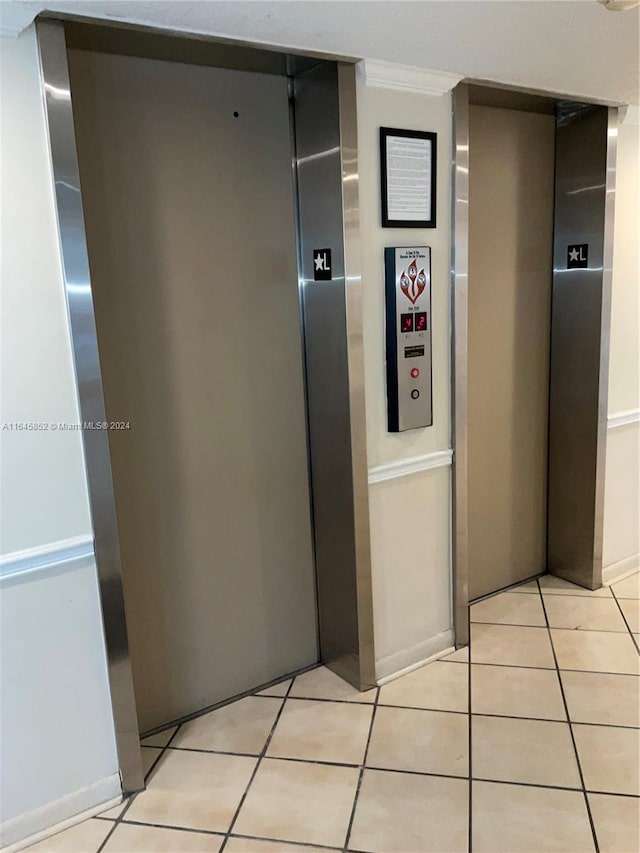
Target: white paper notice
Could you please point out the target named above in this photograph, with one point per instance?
(408, 178)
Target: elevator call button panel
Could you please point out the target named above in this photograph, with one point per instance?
(408, 337)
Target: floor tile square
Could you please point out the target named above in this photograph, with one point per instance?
(523, 819)
(160, 738)
(631, 609)
(296, 801)
(528, 586)
(596, 651)
(597, 697)
(440, 685)
(255, 845)
(558, 586)
(131, 838)
(85, 837)
(322, 683)
(531, 751)
(279, 689)
(321, 731)
(516, 692)
(459, 656)
(610, 758)
(580, 613)
(195, 790)
(617, 822)
(510, 608)
(503, 644)
(401, 812)
(150, 755)
(242, 726)
(422, 741)
(627, 588)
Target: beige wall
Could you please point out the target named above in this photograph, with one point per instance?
(622, 482)
(410, 535)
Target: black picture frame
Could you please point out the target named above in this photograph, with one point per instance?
(385, 132)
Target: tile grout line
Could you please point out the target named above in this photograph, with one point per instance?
(557, 627)
(562, 669)
(255, 769)
(361, 774)
(132, 797)
(571, 732)
(624, 619)
(410, 708)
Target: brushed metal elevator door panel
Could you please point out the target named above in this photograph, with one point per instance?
(510, 272)
(190, 222)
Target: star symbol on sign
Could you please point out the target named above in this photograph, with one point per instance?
(319, 262)
(574, 254)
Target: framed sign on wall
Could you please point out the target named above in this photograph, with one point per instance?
(408, 177)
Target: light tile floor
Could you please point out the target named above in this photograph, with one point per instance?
(530, 747)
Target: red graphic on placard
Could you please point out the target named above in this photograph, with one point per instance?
(412, 282)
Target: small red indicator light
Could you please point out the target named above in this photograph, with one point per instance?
(415, 373)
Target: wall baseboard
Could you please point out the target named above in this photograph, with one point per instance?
(400, 663)
(620, 570)
(33, 826)
(413, 465)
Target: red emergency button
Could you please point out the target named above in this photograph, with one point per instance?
(415, 373)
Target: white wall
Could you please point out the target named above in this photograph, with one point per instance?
(410, 517)
(622, 483)
(58, 749)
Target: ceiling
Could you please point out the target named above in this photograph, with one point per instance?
(575, 47)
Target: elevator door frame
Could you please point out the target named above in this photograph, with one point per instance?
(358, 666)
(459, 290)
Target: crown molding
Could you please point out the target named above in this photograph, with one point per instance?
(15, 17)
(406, 78)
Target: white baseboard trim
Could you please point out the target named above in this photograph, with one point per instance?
(33, 826)
(53, 556)
(400, 663)
(413, 465)
(620, 570)
(620, 419)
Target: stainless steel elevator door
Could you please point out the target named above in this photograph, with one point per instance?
(187, 185)
(511, 178)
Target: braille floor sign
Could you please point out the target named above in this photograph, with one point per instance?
(578, 256)
(322, 264)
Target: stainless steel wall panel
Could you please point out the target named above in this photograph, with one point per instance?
(459, 361)
(326, 156)
(585, 171)
(75, 263)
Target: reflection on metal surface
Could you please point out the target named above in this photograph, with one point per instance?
(326, 150)
(355, 348)
(585, 183)
(459, 356)
(54, 71)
